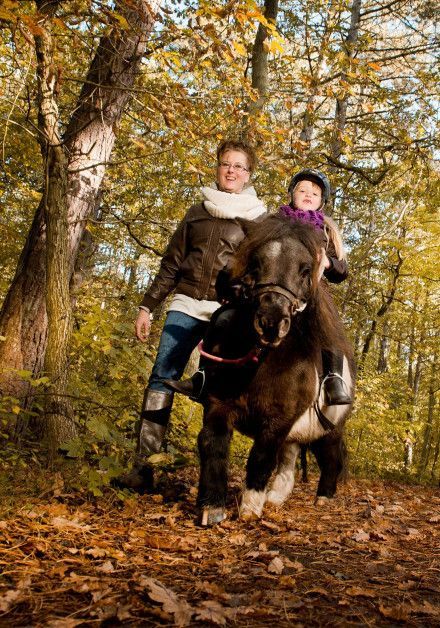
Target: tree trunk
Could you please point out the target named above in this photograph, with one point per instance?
(382, 363)
(59, 425)
(309, 116)
(260, 68)
(89, 140)
(427, 432)
(381, 312)
(337, 142)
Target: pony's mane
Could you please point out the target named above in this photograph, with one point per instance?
(273, 228)
(320, 324)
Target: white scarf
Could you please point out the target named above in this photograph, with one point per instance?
(229, 205)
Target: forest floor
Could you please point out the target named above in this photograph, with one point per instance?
(370, 558)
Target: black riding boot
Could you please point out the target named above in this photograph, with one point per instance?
(335, 390)
(155, 413)
(191, 387)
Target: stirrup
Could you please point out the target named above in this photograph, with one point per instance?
(338, 396)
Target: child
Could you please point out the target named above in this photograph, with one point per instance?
(309, 192)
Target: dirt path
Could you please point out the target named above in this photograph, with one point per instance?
(370, 559)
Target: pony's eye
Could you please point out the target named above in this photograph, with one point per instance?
(305, 272)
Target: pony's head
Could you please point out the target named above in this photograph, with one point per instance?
(278, 265)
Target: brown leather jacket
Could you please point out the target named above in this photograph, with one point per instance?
(199, 248)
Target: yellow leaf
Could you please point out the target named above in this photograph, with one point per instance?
(273, 45)
(375, 66)
(6, 15)
(239, 48)
(122, 21)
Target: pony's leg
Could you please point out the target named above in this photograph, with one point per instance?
(213, 441)
(330, 455)
(260, 465)
(304, 465)
(284, 479)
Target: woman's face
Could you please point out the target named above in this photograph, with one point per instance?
(307, 196)
(233, 171)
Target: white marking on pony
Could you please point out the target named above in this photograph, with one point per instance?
(307, 427)
(273, 249)
(284, 479)
(252, 503)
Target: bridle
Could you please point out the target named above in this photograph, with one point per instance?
(266, 288)
(255, 353)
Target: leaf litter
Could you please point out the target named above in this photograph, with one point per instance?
(370, 557)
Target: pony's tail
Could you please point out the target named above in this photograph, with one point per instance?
(335, 236)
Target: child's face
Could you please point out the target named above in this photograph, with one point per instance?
(307, 196)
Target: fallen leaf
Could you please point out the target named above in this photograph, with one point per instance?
(270, 526)
(123, 612)
(171, 603)
(426, 609)
(359, 592)
(106, 567)
(212, 611)
(214, 589)
(361, 536)
(318, 591)
(238, 539)
(96, 552)
(276, 566)
(400, 613)
(64, 622)
(295, 564)
(378, 536)
(8, 599)
(288, 582)
(62, 523)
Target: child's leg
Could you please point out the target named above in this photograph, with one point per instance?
(335, 390)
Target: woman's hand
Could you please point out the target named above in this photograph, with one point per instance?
(142, 325)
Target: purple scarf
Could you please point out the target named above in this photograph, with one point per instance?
(313, 218)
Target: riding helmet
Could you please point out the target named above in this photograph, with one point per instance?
(310, 174)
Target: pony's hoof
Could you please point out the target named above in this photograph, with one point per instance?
(211, 516)
(321, 500)
(248, 516)
(274, 500)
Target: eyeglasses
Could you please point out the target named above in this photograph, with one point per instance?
(235, 167)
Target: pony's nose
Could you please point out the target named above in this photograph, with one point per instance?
(270, 329)
(284, 326)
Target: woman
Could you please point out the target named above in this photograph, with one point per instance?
(201, 246)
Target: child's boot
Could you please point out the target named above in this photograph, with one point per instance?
(191, 387)
(335, 389)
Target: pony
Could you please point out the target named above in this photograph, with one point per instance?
(262, 358)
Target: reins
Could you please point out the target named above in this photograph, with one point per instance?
(252, 356)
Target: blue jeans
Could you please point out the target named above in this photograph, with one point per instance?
(180, 335)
